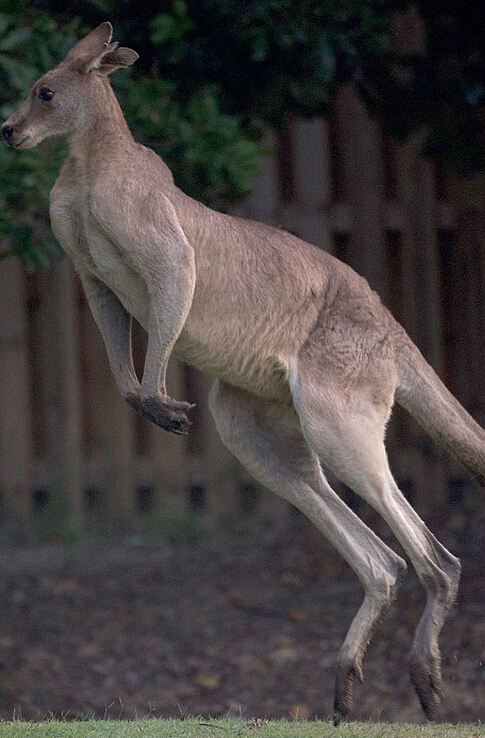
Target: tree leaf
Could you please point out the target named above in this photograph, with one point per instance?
(14, 38)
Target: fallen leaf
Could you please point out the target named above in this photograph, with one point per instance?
(298, 614)
(282, 656)
(206, 680)
(88, 650)
(289, 577)
(65, 586)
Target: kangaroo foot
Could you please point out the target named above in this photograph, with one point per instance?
(344, 687)
(425, 672)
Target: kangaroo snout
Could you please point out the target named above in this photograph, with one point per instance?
(7, 133)
(16, 137)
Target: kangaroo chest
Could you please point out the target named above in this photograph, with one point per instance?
(91, 251)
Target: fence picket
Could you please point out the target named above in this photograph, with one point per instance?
(111, 448)
(362, 176)
(61, 386)
(16, 446)
(167, 454)
(427, 263)
(312, 181)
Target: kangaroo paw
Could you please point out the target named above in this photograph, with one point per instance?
(164, 412)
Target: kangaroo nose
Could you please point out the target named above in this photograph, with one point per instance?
(7, 133)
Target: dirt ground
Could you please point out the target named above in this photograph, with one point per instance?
(244, 624)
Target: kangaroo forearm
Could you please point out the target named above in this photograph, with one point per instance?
(169, 307)
(114, 323)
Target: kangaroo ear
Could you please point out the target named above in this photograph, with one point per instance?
(113, 57)
(92, 45)
(96, 53)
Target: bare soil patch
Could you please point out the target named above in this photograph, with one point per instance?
(248, 624)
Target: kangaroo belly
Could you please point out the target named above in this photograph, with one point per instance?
(250, 353)
(260, 374)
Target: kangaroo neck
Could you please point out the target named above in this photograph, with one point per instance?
(104, 137)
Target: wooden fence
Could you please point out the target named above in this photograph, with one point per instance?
(414, 232)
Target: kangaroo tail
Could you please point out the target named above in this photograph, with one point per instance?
(426, 398)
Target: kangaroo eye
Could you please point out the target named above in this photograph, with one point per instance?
(45, 94)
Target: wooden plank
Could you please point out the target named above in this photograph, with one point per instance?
(219, 470)
(362, 176)
(403, 156)
(468, 315)
(418, 271)
(16, 446)
(264, 200)
(112, 442)
(168, 453)
(417, 189)
(61, 386)
(312, 181)
(341, 215)
(467, 309)
(421, 301)
(420, 254)
(426, 259)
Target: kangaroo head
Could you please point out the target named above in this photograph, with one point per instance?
(67, 98)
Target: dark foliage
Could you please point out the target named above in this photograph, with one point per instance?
(213, 72)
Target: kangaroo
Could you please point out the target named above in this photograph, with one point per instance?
(306, 359)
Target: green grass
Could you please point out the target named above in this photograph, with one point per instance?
(200, 728)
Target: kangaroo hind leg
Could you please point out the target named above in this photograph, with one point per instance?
(266, 438)
(344, 425)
